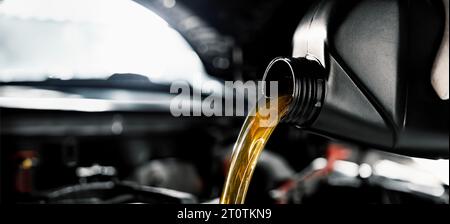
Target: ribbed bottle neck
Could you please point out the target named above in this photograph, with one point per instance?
(304, 80)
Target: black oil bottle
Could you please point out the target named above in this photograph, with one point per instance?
(361, 71)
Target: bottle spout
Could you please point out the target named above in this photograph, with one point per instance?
(304, 80)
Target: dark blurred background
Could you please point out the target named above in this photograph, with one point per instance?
(84, 108)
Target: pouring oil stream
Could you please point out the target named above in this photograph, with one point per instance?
(249, 145)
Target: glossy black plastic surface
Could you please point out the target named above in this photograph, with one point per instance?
(378, 57)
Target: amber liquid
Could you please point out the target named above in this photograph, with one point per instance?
(249, 145)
